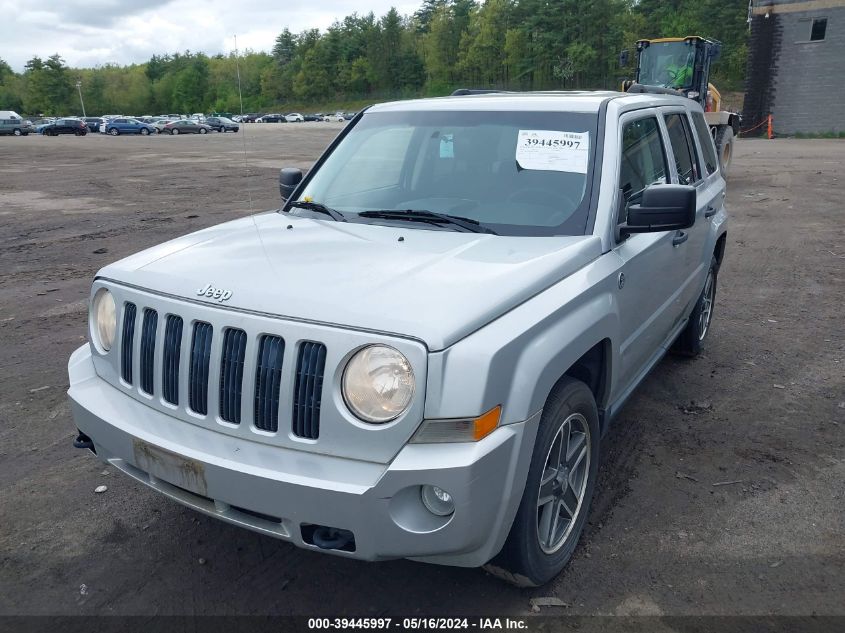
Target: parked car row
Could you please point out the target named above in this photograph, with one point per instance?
(116, 124)
(292, 117)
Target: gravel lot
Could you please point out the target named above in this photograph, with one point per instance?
(731, 504)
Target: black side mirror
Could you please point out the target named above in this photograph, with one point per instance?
(289, 178)
(623, 58)
(662, 208)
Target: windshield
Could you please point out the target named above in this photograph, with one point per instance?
(668, 64)
(516, 173)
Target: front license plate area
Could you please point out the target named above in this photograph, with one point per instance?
(171, 467)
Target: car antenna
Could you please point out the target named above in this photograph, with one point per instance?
(243, 125)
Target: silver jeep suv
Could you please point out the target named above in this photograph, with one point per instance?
(418, 354)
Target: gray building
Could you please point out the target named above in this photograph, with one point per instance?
(796, 55)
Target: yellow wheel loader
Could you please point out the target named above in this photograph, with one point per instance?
(681, 65)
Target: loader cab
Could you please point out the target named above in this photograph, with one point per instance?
(675, 63)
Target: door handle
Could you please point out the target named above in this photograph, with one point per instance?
(680, 238)
(711, 211)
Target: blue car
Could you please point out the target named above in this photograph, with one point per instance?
(116, 127)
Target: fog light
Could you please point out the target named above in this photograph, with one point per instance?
(437, 500)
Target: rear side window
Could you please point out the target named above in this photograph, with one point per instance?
(686, 160)
(706, 142)
(643, 158)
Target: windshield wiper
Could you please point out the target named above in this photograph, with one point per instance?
(431, 217)
(334, 214)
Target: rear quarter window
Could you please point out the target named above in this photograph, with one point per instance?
(705, 140)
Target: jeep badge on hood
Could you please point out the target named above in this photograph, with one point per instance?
(214, 293)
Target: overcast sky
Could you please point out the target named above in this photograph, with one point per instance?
(88, 33)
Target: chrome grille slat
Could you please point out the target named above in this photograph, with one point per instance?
(268, 377)
(147, 356)
(127, 341)
(310, 366)
(170, 360)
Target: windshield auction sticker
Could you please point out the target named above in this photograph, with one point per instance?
(550, 150)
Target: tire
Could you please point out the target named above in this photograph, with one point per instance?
(203, 130)
(725, 148)
(235, 131)
(145, 132)
(17, 132)
(691, 341)
(530, 557)
(222, 130)
(114, 131)
(174, 132)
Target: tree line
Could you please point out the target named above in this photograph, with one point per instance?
(503, 44)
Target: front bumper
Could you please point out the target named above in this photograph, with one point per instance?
(285, 493)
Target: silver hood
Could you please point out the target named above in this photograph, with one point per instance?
(435, 286)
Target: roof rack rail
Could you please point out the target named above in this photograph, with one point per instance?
(660, 90)
(462, 92)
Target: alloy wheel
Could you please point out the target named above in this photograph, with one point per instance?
(563, 483)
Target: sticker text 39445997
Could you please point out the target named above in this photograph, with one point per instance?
(551, 150)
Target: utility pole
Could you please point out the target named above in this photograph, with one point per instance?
(79, 88)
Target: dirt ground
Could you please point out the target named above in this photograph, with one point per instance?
(731, 504)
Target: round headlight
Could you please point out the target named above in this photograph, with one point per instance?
(104, 315)
(378, 384)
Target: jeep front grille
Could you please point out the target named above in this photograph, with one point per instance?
(242, 376)
(127, 341)
(170, 358)
(198, 372)
(148, 344)
(268, 379)
(232, 374)
(308, 389)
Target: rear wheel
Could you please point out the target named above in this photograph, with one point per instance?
(725, 147)
(17, 132)
(114, 131)
(222, 129)
(558, 490)
(691, 341)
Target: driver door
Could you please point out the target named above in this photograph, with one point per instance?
(653, 264)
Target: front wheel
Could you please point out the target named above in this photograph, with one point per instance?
(174, 132)
(114, 131)
(145, 132)
(558, 490)
(203, 130)
(17, 132)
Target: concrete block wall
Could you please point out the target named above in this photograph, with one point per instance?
(801, 83)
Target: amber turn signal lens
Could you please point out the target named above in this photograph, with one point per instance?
(483, 426)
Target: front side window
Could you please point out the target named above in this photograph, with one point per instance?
(680, 137)
(516, 173)
(643, 161)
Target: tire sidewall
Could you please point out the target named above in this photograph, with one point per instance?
(690, 342)
(527, 559)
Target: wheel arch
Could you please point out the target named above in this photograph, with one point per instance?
(719, 249)
(593, 369)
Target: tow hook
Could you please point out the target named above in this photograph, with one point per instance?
(331, 538)
(83, 441)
